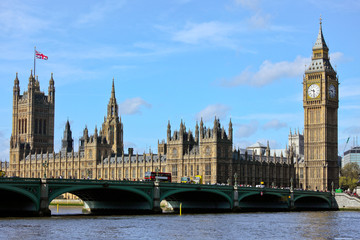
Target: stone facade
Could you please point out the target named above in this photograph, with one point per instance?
(101, 155)
(209, 153)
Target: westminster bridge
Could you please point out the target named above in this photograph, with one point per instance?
(32, 196)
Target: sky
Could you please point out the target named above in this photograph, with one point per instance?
(179, 60)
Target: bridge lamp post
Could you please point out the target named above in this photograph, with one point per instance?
(156, 175)
(45, 166)
(291, 185)
(235, 177)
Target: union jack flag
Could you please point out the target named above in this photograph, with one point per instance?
(39, 55)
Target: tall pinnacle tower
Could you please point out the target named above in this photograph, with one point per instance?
(321, 103)
(112, 128)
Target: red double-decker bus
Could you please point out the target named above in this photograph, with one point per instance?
(161, 176)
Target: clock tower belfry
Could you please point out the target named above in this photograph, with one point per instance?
(321, 103)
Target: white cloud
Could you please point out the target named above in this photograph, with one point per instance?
(249, 4)
(99, 11)
(211, 111)
(246, 130)
(274, 124)
(132, 106)
(268, 72)
(208, 31)
(268, 116)
(259, 20)
(18, 19)
(273, 144)
(349, 91)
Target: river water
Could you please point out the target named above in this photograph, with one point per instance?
(281, 225)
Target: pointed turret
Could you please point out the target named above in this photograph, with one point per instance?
(320, 41)
(112, 111)
(67, 141)
(16, 89)
(196, 132)
(37, 83)
(201, 129)
(95, 132)
(320, 58)
(86, 133)
(230, 131)
(51, 90)
(168, 131)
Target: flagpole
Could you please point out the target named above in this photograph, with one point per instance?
(34, 59)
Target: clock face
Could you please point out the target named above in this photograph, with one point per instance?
(332, 91)
(314, 91)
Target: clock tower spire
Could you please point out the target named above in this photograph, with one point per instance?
(321, 103)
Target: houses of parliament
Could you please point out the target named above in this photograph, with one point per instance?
(309, 162)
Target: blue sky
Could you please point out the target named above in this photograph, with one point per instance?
(180, 59)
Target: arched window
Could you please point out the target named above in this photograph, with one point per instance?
(44, 126)
(174, 152)
(36, 126)
(40, 126)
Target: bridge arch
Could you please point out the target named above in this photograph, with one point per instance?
(110, 198)
(263, 200)
(199, 200)
(312, 202)
(18, 200)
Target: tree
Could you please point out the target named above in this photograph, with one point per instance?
(349, 175)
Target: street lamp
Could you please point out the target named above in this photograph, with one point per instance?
(45, 166)
(235, 177)
(156, 175)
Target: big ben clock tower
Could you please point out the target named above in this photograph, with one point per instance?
(321, 103)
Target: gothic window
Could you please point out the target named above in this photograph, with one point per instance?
(197, 170)
(112, 173)
(207, 151)
(134, 172)
(208, 169)
(119, 174)
(112, 110)
(36, 126)
(40, 126)
(44, 126)
(90, 154)
(174, 170)
(126, 173)
(141, 172)
(185, 172)
(106, 173)
(192, 170)
(174, 152)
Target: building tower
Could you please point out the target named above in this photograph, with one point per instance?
(67, 141)
(32, 121)
(321, 102)
(112, 128)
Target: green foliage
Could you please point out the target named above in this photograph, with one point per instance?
(349, 176)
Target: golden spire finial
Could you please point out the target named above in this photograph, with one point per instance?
(320, 20)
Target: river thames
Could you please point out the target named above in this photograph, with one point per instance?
(279, 225)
